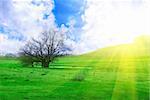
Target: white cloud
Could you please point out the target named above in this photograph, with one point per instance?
(111, 22)
(8, 46)
(2, 37)
(23, 17)
(30, 17)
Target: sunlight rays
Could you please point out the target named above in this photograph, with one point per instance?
(125, 82)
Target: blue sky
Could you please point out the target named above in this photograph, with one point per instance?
(91, 24)
(65, 10)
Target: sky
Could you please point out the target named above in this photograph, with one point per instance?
(90, 24)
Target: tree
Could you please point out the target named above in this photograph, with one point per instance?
(49, 46)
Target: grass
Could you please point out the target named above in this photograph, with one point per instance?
(114, 73)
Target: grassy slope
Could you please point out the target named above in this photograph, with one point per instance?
(114, 73)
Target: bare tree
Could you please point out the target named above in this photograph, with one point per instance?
(45, 49)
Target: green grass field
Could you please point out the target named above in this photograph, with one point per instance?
(114, 73)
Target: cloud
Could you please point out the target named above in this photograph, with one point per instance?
(112, 22)
(25, 19)
(7, 45)
(2, 37)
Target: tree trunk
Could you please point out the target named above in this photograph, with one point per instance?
(45, 64)
(32, 64)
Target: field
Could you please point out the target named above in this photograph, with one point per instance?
(114, 73)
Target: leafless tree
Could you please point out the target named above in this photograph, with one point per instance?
(46, 48)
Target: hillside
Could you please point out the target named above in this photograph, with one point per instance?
(138, 50)
(113, 73)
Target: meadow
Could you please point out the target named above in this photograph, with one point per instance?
(114, 73)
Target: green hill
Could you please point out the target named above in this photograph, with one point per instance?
(114, 73)
(138, 50)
